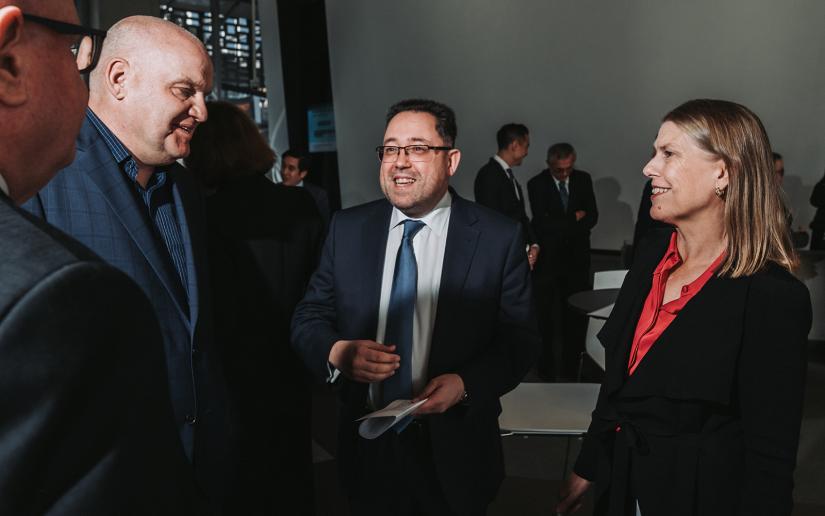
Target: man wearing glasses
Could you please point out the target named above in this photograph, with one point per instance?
(422, 295)
(85, 421)
(126, 198)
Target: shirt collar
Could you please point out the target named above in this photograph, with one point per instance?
(557, 181)
(436, 220)
(116, 147)
(3, 186)
(121, 154)
(500, 161)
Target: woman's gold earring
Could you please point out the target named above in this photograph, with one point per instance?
(720, 192)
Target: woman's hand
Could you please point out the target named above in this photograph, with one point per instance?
(571, 493)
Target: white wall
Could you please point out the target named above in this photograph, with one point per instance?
(599, 74)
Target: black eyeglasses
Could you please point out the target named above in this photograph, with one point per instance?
(390, 153)
(86, 49)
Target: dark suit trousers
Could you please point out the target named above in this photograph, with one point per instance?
(398, 476)
(563, 330)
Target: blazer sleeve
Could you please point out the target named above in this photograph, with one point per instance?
(588, 203)
(314, 323)
(772, 368)
(516, 341)
(89, 427)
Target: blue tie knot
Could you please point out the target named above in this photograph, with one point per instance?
(411, 227)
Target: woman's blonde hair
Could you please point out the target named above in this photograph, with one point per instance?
(756, 223)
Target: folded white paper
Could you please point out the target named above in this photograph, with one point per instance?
(376, 423)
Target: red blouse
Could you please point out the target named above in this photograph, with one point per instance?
(655, 316)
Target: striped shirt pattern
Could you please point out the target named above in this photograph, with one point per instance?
(157, 196)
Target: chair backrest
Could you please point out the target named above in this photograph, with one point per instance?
(592, 345)
(608, 279)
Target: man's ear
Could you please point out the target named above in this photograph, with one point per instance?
(303, 174)
(12, 87)
(116, 74)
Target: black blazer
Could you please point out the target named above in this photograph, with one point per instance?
(563, 239)
(710, 418)
(494, 190)
(264, 242)
(485, 331)
(85, 417)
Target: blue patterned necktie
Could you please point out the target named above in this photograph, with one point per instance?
(564, 194)
(399, 330)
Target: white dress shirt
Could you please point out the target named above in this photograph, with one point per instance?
(504, 167)
(566, 184)
(429, 245)
(4, 186)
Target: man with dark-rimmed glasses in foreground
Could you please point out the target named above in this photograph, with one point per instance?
(422, 295)
(85, 417)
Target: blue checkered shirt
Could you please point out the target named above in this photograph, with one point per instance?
(157, 196)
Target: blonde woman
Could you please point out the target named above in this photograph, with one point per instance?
(700, 409)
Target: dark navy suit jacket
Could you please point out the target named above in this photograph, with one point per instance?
(96, 203)
(485, 331)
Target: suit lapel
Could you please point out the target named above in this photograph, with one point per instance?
(462, 242)
(372, 250)
(617, 334)
(184, 216)
(132, 214)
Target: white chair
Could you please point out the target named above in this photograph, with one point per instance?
(592, 346)
(608, 279)
(549, 409)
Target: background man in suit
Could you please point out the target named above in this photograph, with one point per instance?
(126, 198)
(294, 169)
(564, 212)
(448, 319)
(496, 186)
(85, 419)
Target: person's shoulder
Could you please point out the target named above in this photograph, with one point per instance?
(486, 217)
(362, 211)
(31, 241)
(36, 253)
(538, 178)
(489, 167)
(776, 284)
(581, 175)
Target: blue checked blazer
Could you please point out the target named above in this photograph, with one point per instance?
(93, 201)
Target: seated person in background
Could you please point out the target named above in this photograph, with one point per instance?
(818, 224)
(700, 409)
(263, 243)
(294, 170)
(497, 188)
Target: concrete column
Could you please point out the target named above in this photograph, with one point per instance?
(273, 78)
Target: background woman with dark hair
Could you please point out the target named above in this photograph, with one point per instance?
(701, 405)
(263, 246)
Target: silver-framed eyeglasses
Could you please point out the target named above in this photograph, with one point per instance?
(86, 48)
(417, 152)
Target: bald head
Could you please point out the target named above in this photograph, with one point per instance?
(138, 39)
(150, 88)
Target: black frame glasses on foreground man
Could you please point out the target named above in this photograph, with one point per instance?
(87, 47)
